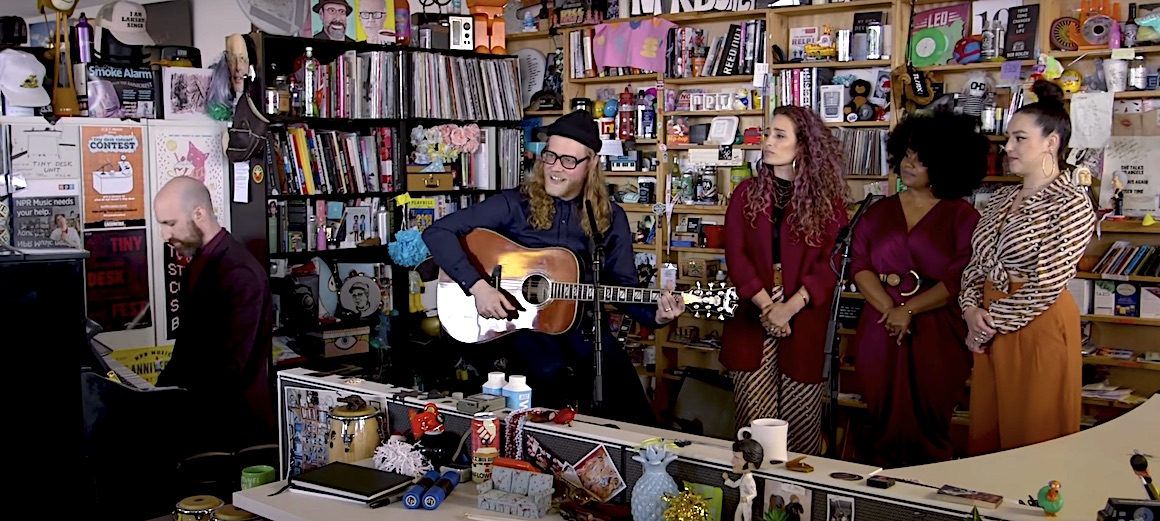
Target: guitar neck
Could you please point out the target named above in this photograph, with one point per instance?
(608, 294)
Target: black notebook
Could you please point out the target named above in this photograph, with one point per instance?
(351, 481)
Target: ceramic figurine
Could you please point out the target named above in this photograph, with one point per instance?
(747, 455)
(1051, 499)
(654, 483)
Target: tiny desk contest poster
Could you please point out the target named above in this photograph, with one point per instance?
(113, 163)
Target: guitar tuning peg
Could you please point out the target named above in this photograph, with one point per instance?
(697, 314)
(721, 317)
(698, 284)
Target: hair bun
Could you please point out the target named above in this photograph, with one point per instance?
(1047, 92)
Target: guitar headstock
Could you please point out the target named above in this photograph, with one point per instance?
(715, 301)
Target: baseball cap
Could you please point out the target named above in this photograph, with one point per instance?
(126, 20)
(22, 79)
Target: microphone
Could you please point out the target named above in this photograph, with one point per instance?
(592, 220)
(1140, 466)
(847, 231)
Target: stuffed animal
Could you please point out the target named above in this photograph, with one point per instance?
(903, 91)
(859, 96)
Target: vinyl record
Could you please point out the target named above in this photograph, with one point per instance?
(846, 476)
(1097, 30)
(927, 47)
(327, 290)
(1061, 31)
(533, 67)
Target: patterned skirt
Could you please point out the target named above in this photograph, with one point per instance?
(767, 393)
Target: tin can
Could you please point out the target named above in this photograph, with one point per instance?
(484, 431)
(874, 41)
(272, 102)
(1138, 75)
(688, 187)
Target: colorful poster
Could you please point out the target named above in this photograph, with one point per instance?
(192, 150)
(118, 279)
(113, 167)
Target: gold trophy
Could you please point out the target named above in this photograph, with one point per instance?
(64, 94)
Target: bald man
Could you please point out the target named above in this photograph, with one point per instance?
(222, 349)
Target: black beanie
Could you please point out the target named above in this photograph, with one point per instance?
(578, 126)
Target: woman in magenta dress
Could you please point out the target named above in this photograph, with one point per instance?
(908, 256)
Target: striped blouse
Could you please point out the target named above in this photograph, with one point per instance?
(1040, 243)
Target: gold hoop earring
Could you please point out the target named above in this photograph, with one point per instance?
(1043, 165)
(793, 165)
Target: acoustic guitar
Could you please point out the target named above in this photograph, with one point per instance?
(545, 282)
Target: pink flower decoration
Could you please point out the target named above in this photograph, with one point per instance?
(472, 131)
(472, 145)
(445, 132)
(458, 137)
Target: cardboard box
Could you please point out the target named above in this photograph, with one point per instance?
(1104, 299)
(1127, 300)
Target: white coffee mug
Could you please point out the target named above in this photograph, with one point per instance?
(772, 435)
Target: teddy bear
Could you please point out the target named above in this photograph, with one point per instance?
(859, 97)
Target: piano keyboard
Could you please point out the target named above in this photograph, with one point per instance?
(124, 375)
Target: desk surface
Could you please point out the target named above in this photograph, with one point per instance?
(1092, 466)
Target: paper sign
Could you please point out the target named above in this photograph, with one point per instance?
(1091, 119)
(1011, 70)
(760, 71)
(1123, 54)
(242, 182)
(403, 199)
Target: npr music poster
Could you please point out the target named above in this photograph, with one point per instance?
(113, 169)
(192, 151)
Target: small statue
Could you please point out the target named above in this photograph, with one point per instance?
(529, 22)
(746, 451)
(354, 402)
(1051, 499)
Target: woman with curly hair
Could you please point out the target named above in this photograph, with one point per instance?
(781, 227)
(908, 255)
(549, 211)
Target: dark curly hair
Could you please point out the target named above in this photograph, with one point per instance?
(947, 144)
(819, 179)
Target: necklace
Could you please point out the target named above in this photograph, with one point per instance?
(782, 192)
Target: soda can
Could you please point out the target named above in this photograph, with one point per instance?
(484, 431)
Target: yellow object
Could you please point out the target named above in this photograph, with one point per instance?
(430, 325)
(1148, 220)
(1070, 81)
(147, 362)
(686, 506)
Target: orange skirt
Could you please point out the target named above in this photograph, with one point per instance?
(1026, 388)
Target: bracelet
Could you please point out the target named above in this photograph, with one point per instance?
(805, 299)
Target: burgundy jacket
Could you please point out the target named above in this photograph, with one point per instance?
(749, 258)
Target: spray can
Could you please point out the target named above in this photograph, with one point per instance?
(84, 40)
(987, 46)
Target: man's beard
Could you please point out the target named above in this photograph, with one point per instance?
(189, 248)
(336, 32)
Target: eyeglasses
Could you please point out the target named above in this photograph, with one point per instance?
(372, 15)
(334, 11)
(569, 162)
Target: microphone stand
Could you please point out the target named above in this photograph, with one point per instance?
(597, 313)
(833, 351)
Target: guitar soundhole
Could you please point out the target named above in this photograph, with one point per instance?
(537, 290)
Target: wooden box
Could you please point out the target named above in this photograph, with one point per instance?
(341, 342)
(418, 181)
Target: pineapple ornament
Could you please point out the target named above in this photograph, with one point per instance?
(655, 483)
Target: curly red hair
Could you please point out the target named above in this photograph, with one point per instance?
(819, 179)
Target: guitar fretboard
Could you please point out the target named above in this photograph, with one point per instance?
(608, 294)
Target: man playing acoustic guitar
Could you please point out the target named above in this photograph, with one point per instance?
(549, 211)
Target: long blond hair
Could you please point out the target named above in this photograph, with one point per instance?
(595, 191)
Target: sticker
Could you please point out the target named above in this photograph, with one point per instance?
(258, 173)
(1011, 70)
(659, 208)
(725, 152)
(846, 476)
(1124, 54)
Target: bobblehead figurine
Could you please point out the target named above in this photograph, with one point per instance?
(746, 452)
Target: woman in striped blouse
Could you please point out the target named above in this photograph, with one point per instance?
(1024, 326)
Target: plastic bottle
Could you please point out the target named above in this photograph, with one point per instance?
(494, 384)
(403, 22)
(84, 40)
(310, 84)
(516, 393)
